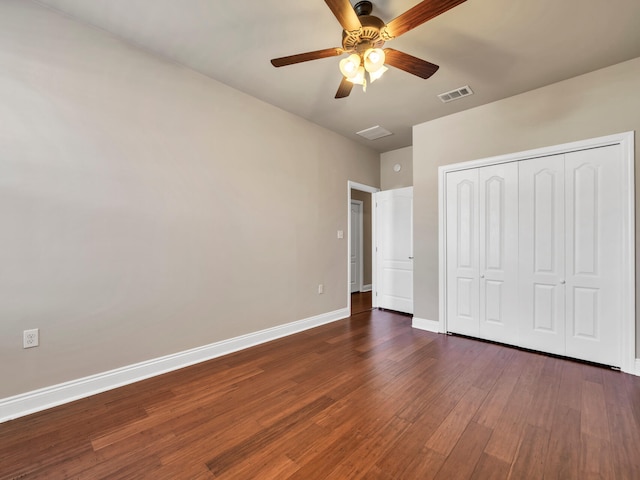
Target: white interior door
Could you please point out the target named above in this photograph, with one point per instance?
(394, 249)
(593, 213)
(356, 246)
(463, 289)
(498, 228)
(542, 254)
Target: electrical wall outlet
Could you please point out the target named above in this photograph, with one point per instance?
(320, 288)
(31, 338)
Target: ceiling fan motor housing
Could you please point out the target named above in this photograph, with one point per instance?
(366, 37)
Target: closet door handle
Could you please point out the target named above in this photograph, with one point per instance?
(562, 282)
(410, 258)
(481, 276)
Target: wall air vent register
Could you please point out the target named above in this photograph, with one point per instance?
(455, 94)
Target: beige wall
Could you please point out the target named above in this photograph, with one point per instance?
(404, 178)
(365, 198)
(147, 209)
(592, 105)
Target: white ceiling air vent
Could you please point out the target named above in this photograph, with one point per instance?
(455, 94)
(374, 132)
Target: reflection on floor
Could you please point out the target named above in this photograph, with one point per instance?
(360, 302)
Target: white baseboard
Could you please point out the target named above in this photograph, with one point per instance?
(638, 367)
(366, 288)
(44, 398)
(424, 324)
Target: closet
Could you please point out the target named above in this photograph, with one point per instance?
(533, 252)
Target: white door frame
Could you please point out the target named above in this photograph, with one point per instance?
(626, 141)
(359, 244)
(368, 189)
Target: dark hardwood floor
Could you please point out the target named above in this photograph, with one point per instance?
(360, 302)
(366, 397)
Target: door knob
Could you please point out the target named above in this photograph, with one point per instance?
(481, 276)
(410, 258)
(562, 282)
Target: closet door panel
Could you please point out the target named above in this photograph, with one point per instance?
(462, 252)
(594, 234)
(498, 235)
(541, 254)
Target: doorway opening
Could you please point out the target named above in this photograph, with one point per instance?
(361, 248)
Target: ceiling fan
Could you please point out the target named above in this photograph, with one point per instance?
(364, 35)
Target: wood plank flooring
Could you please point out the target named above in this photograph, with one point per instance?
(360, 302)
(367, 397)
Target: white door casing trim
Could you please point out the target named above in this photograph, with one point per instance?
(363, 188)
(627, 143)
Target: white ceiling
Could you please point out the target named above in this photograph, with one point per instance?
(498, 47)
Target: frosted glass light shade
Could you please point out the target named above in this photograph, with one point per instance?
(358, 78)
(374, 59)
(373, 76)
(349, 66)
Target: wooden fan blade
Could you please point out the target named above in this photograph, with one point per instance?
(344, 89)
(305, 57)
(345, 14)
(416, 16)
(409, 63)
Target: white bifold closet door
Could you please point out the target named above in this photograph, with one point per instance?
(463, 278)
(570, 256)
(482, 252)
(542, 258)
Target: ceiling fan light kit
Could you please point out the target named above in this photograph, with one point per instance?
(363, 37)
(353, 67)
